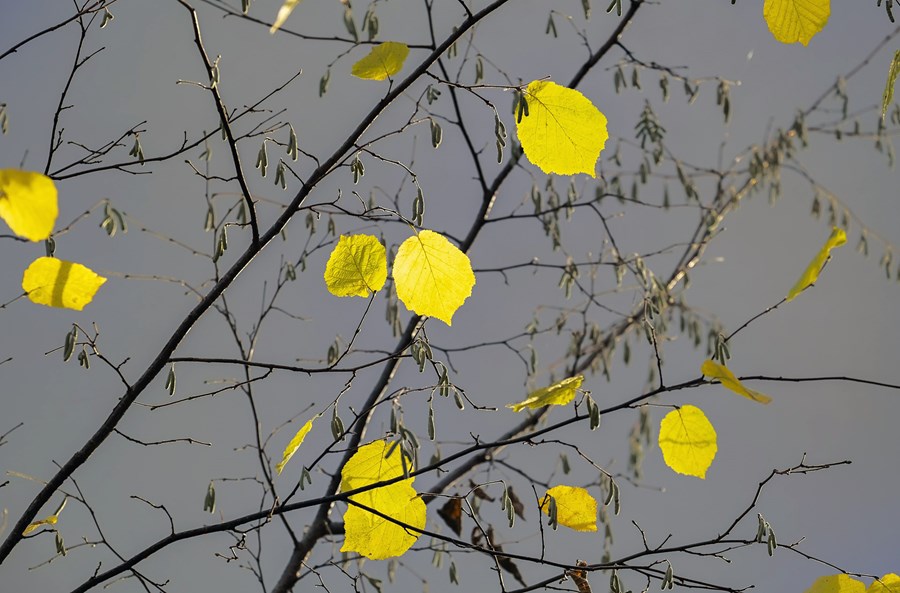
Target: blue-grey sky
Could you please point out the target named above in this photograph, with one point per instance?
(847, 325)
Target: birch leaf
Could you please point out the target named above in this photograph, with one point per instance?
(558, 394)
(791, 21)
(688, 441)
(57, 283)
(721, 373)
(28, 203)
(357, 266)
(366, 533)
(575, 507)
(47, 521)
(433, 277)
(888, 95)
(838, 583)
(563, 132)
(294, 444)
(889, 583)
(811, 274)
(385, 59)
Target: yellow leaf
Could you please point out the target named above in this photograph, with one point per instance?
(791, 21)
(51, 520)
(688, 441)
(889, 583)
(357, 266)
(283, 13)
(385, 59)
(888, 96)
(433, 277)
(729, 381)
(558, 394)
(838, 583)
(294, 444)
(57, 283)
(366, 533)
(811, 274)
(575, 508)
(563, 132)
(28, 203)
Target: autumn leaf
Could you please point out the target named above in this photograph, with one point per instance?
(791, 21)
(366, 533)
(433, 277)
(889, 583)
(687, 441)
(451, 513)
(57, 283)
(563, 132)
(294, 444)
(728, 380)
(283, 13)
(28, 203)
(838, 583)
(47, 521)
(385, 59)
(888, 96)
(811, 274)
(558, 394)
(357, 266)
(575, 507)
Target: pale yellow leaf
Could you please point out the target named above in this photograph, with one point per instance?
(283, 13)
(563, 132)
(838, 583)
(28, 203)
(432, 276)
(889, 583)
(385, 59)
(294, 444)
(811, 274)
(888, 96)
(575, 507)
(357, 266)
(688, 441)
(57, 283)
(791, 21)
(558, 394)
(721, 373)
(47, 521)
(366, 533)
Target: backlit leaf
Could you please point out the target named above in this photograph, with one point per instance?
(433, 277)
(838, 583)
(558, 394)
(357, 266)
(791, 21)
(888, 95)
(57, 283)
(294, 444)
(366, 533)
(283, 13)
(721, 373)
(28, 203)
(811, 274)
(575, 507)
(385, 59)
(563, 132)
(889, 583)
(688, 441)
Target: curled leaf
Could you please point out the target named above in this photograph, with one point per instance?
(688, 441)
(811, 274)
(283, 13)
(721, 373)
(47, 521)
(888, 96)
(294, 444)
(558, 394)
(57, 283)
(28, 203)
